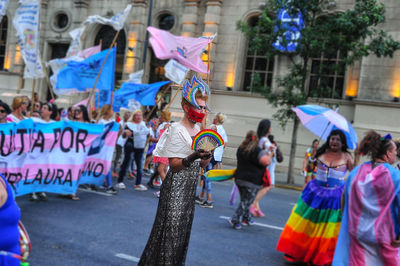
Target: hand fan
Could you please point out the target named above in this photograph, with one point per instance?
(207, 140)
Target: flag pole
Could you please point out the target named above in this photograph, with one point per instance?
(102, 66)
(33, 95)
(47, 79)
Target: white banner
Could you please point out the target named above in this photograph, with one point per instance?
(75, 47)
(136, 77)
(26, 23)
(175, 71)
(117, 21)
(3, 7)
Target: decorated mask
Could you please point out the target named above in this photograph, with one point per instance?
(190, 89)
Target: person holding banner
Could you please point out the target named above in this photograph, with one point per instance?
(10, 252)
(19, 107)
(4, 111)
(105, 117)
(81, 114)
(169, 238)
(137, 133)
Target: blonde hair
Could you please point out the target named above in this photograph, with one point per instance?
(138, 111)
(166, 114)
(220, 117)
(17, 102)
(105, 112)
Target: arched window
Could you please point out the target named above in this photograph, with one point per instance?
(106, 35)
(3, 41)
(257, 67)
(328, 69)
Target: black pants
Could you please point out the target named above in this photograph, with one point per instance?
(247, 196)
(138, 157)
(118, 153)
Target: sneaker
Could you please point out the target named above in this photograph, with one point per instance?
(131, 175)
(236, 226)
(121, 185)
(206, 204)
(114, 174)
(34, 197)
(42, 196)
(140, 187)
(248, 222)
(94, 188)
(157, 194)
(157, 184)
(198, 200)
(111, 190)
(150, 185)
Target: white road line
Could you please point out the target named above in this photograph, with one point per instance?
(95, 192)
(127, 257)
(259, 224)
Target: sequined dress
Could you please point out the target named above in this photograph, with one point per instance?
(311, 232)
(169, 238)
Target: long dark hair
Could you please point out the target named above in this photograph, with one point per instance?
(263, 128)
(250, 142)
(325, 146)
(85, 114)
(374, 145)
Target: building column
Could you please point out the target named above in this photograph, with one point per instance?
(211, 23)
(189, 18)
(136, 34)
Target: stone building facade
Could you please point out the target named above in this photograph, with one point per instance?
(367, 91)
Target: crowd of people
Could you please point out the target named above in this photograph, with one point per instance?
(339, 220)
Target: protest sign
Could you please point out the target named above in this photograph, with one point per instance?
(55, 157)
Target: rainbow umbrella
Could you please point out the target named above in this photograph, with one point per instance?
(322, 120)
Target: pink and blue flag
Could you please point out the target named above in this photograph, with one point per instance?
(370, 218)
(55, 157)
(185, 50)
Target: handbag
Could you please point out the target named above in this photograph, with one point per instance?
(279, 155)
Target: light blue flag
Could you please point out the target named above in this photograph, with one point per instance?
(143, 93)
(81, 76)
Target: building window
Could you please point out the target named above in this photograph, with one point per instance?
(258, 68)
(105, 36)
(327, 75)
(166, 22)
(157, 69)
(60, 21)
(3, 41)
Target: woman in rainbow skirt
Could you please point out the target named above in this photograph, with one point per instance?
(311, 232)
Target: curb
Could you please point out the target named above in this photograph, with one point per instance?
(289, 187)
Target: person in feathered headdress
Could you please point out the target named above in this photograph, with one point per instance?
(169, 238)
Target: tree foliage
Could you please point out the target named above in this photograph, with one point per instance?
(355, 33)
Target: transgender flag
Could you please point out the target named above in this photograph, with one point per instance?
(185, 50)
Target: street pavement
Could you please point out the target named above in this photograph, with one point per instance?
(112, 230)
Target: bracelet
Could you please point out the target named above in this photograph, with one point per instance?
(185, 162)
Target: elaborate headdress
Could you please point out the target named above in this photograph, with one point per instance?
(190, 89)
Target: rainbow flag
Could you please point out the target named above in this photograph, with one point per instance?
(220, 174)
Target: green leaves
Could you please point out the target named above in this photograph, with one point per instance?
(353, 32)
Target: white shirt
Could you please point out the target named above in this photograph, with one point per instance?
(121, 140)
(140, 132)
(14, 118)
(175, 142)
(218, 152)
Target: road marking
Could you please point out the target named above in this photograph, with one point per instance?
(127, 257)
(259, 224)
(95, 192)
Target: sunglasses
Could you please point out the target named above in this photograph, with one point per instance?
(77, 111)
(25, 103)
(2, 111)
